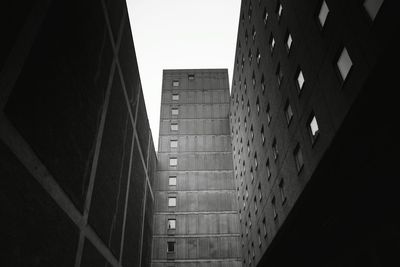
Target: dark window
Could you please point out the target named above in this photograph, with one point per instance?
(171, 246)
(298, 156)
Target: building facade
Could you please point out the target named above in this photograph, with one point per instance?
(196, 220)
(312, 131)
(76, 155)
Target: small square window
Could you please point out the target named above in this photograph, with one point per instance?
(289, 41)
(175, 97)
(344, 64)
(323, 13)
(175, 111)
(173, 162)
(175, 83)
(171, 224)
(191, 76)
(271, 43)
(171, 201)
(372, 7)
(174, 143)
(174, 126)
(288, 112)
(298, 156)
(170, 246)
(172, 180)
(313, 128)
(300, 80)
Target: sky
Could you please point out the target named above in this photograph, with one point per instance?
(180, 34)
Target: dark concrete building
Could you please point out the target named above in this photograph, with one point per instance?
(76, 154)
(196, 220)
(313, 119)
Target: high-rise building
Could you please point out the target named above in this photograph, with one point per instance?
(196, 221)
(76, 154)
(313, 118)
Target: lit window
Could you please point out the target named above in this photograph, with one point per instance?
(171, 224)
(300, 80)
(173, 162)
(313, 128)
(258, 56)
(171, 246)
(282, 191)
(323, 13)
(372, 7)
(275, 152)
(175, 97)
(191, 76)
(174, 111)
(174, 143)
(289, 41)
(265, 16)
(280, 8)
(255, 161)
(298, 157)
(288, 112)
(172, 202)
(271, 43)
(174, 126)
(172, 180)
(268, 170)
(175, 83)
(344, 63)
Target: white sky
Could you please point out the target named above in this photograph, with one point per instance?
(180, 34)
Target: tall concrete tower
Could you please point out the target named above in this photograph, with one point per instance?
(196, 213)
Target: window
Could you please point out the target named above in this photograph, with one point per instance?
(171, 201)
(251, 174)
(275, 214)
(258, 56)
(250, 56)
(175, 97)
(279, 10)
(259, 191)
(258, 105)
(262, 135)
(171, 224)
(372, 7)
(279, 75)
(344, 64)
(171, 246)
(248, 107)
(172, 180)
(246, 36)
(252, 132)
(255, 161)
(191, 76)
(174, 126)
(298, 158)
(265, 227)
(175, 83)
(288, 112)
(174, 143)
(255, 204)
(268, 114)
(271, 43)
(252, 248)
(300, 80)
(259, 237)
(268, 170)
(262, 84)
(173, 162)
(323, 13)
(275, 152)
(253, 80)
(254, 33)
(289, 41)
(174, 111)
(282, 191)
(313, 127)
(265, 16)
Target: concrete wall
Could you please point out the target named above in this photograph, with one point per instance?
(207, 226)
(76, 171)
